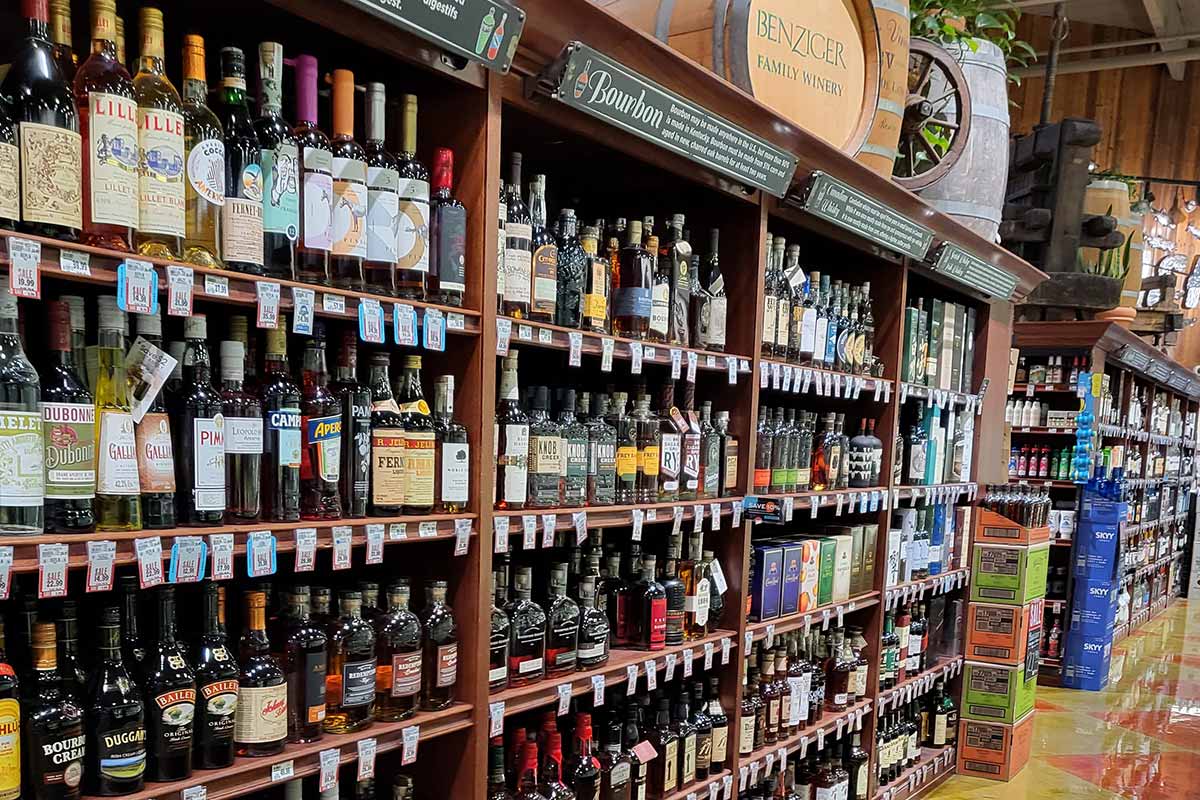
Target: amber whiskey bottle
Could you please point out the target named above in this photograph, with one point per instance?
(262, 716)
(350, 681)
(440, 659)
(562, 627)
(527, 638)
(631, 295)
(420, 439)
(216, 686)
(398, 645)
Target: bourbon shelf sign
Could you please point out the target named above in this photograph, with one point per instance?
(597, 85)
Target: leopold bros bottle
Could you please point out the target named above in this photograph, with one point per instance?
(204, 158)
(383, 202)
(108, 124)
(349, 188)
(420, 439)
(155, 455)
(216, 686)
(115, 753)
(440, 660)
(161, 203)
(511, 440)
(169, 688)
(200, 434)
(304, 666)
(398, 646)
(321, 432)
(22, 477)
(68, 423)
(355, 403)
(316, 179)
(412, 268)
(243, 438)
(261, 722)
(387, 441)
(281, 435)
(350, 680)
(453, 467)
(280, 162)
(54, 739)
(447, 282)
(242, 212)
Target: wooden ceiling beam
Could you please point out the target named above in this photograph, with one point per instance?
(1166, 17)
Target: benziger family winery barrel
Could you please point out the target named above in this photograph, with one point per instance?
(836, 68)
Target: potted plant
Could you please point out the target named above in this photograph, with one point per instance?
(968, 22)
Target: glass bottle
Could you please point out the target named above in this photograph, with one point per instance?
(527, 638)
(627, 455)
(316, 179)
(155, 451)
(763, 452)
(527, 773)
(420, 440)
(601, 454)
(562, 624)
(574, 452)
(616, 765)
(243, 437)
(115, 752)
(350, 677)
(501, 629)
(597, 282)
(54, 737)
(383, 200)
(413, 267)
(242, 213)
(200, 434)
(716, 303)
(60, 35)
(593, 627)
(204, 158)
(710, 454)
(664, 770)
(720, 727)
(398, 645)
(280, 481)
(659, 326)
(544, 300)
(321, 423)
(615, 595)
(572, 273)
(387, 441)
(671, 427)
(551, 786)
(447, 281)
(582, 769)
(216, 685)
(681, 723)
(303, 658)
(453, 467)
(355, 402)
(770, 301)
(650, 609)
(68, 424)
(518, 248)
(545, 454)
(349, 189)
(262, 714)
(169, 687)
(676, 593)
(695, 572)
(280, 161)
(632, 290)
(441, 649)
(649, 448)
(512, 440)
(22, 477)
(729, 455)
(702, 724)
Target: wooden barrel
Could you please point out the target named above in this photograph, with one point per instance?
(836, 68)
(973, 190)
(1099, 197)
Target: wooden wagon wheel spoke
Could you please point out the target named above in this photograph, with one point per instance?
(924, 76)
(929, 150)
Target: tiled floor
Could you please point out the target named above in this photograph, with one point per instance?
(1139, 738)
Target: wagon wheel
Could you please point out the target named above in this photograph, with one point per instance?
(937, 117)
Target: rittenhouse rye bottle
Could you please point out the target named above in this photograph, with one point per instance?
(200, 446)
(398, 648)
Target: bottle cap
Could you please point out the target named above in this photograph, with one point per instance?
(195, 327)
(343, 103)
(78, 311)
(193, 57)
(375, 110)
(175, 350)
(233, 67)
(306, 89)
(111, 317)
(60, 325)
(233, 361)
(443, 169)
(270, 73)
(149, 324)
(151, 24)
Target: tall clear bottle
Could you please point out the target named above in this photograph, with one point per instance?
(155, 452)
(68, 422)
(453, 468)
(349, 189)
(22, 476)
(204, 157)
(242, 213)
(200, 434)
(511, 436)
(316, 179)
(280, 160)
(412, 269)
(243, 438)
(383, 202)
(161, 178)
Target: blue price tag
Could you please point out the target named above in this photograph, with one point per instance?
(433, 330)
(260, 554)
(137, 287)
(189, 559)
(370, 321)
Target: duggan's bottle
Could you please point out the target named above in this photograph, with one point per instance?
(115, 753)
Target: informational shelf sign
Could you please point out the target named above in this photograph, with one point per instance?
(843, 205)
(597, 85)
(485, 31)
(1133, 358)
(954, 262)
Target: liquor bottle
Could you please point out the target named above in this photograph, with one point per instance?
(632, 286)
(664, 770)
(573, 452)
(398, 646)
(387, 441)
(243, 436)
(649, 450)
(593, 627)
(72, 678)
(440, 659)
(676, 594)
(204, 158)
(155, 452)
(694, 573)
(614, 595)
(660, 293)
(713, 312)
(545, 454)
(447, 281)
(53, 725)
(671, 427)
(349, 189)
(616, 765)
(413, 241)
(763, 452)
(597, 282)
(133, 650)
(304, 660)
(22, 477)
(383, 200)
(710, 454)
(834, 324)
(60, 35)
(316, 179)
(543, 304)
(242, 212)
(771, 302)
(572, 271)
(280, 489)
(527, 773)
(582, 769)
(678, 253)
(420, 440)
(512, 440)
(601, 452)
(916, 636)
(354, 400)
(518, 248)
(527, 637)
(649, 606)
(702, 724)
(262, 714)
(903, 629)
(115, 750)
(627, 457)
(551, 786)
(501, 630)
(107, 109)
(321, 423)
(729, 455)
(681, 724)
(280, 161)
(562, 624)
(200, 435)
(68, 422)
(350, 677)
(453, 466)
(120, 39)
(915, 450)
(169, 688)
(216, 686)
(719, 724)
(41, 104)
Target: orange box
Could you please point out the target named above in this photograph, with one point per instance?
(1000, 634)
(996, 529)
(993, 749)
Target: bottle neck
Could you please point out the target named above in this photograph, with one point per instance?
(166, 620)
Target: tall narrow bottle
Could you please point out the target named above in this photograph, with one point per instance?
(387, 441)
(631, 295)
(22, 476)
(216, 686)
(447, 282)
(303, 658)
(243, 438)
(115, 754)
(440, 659)
(155, 453)
(169, 688)
(453, 467)
(518, 248)
(280, 490)
(261, 723)
(412, 269)
(512, 440)
(280, 162)
(420, 439)
(316, 179)
(68, 423)
(545, 256)
(383, 200)
(321, 432)
(355, 402)
(713, 316)
(242, 213)
(53, 740)
(349, 188)
(573, 266)
(204, 157)
(200, 435)
(161, 202)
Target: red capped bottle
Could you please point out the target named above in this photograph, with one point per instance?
(321, 432)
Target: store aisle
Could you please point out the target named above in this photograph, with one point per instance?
(1139, 738)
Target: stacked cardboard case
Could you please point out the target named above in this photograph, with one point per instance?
(1004, 619)
(798, 572)
(1094, 566)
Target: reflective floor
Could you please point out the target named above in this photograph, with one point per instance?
(1139, 738)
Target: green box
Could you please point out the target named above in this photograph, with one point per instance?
(856, 561)
(997, 692)
(870, 534)
(1009, 574)
(825, 568)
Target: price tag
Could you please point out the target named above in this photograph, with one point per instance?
(100, 565)
(825, 619)
(631, 675)
(770, 635)
(404, 328)
(698, 518)
(137, 287)
(688, 655)
(651, 674)
(737, 513)
(342, 537)
(878, 389)
(408, 748)
(820, 738)
(774, 375)
(268, 303)
(189, 556)
(333, 304)
(714, 511)
(329, 768)
(499, 534)
(691, 367)
(282, 771)
(375, 543)
(814, 503)
(638, 517)
(194, 793)
(529, 532)
(676, 363)
(260, 553)
(366, 758)
(370, 320)
(727, 787)
(874, 501)
(456, 321)
(676, 520)
(306, 549)
(549, 525)
(52, 570)
(545, 336)
(216, 285)
(714, 789)
(149, 556)
(838, 507)
(754, 768)
(802, 748)
(635, 358)
(525, 333)
(579, 518)
(769, 764)
(708, 655)
(805, 380)
(718, 576)
(726, 647)
(427, 529)
(648, 352)
(433, 330)
(606, 354)
(221, 545)
(25, 280)
(597, 690)
(743, 773)
(496, 718)
(786, 384)
(74, 263)
(651, 514)
(764, 369)
(397, 531)
(669, 668)
(731, 368)
(302, 310)
(462, 536)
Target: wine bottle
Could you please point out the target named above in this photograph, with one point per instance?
(349, 188)
(316, 181)
(280, 161)
(413, 243)
(161, 203)
(242, 213)
(204, 155)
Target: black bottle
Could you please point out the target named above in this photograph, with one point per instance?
(169, 688)
(216, 685)
(115, 757)
(355, 401)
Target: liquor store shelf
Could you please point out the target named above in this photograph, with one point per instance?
(1041, 430)
(394, 530)
(931, 769)
(616, 516)
(702, 790)
(919, 684)
(237, 287)
(621, 665)
(1138, 527)
(818, 615)
(1022, 388)
(835, 722)
(1140, 617)
(842, 499)
(522, 332)
(251, 775)
(938, 492)
(1049, 484)
(934, 584)
(1153, 566)
(940, 397)
(784, 377)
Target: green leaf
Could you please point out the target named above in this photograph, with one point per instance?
(985, 20)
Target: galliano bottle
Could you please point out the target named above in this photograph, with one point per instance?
(118, 507)
(22, 477)
(280, 161)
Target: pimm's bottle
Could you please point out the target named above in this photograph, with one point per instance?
(216, 685)
(349, 188)
(261, 723)
(169, 688)
(200, 434)
(68, 423)
(321, 429)
(280, 490)
(115, 754)
(280, 162)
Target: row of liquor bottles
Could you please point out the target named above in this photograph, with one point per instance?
(140, 711)
(1051, 370)
(633, 747)
(596, 450)
(793, 456)
(116, 453)
(809, 321)
(90, 153)
(937, 444)
(618, 276)
(598, 599)
(350, 787)
(838, 771)
(1042, 462)
(1024, 505)
(929, 722)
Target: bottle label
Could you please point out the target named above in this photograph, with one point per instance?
(244, 435)
(632, 303)
(242, 223)
(358, 682)
(117, 455)
(22, 479)
(656, 623)
(456, 472)
(545, 454)
(660, 308)
(545, 278)
(650, 457)
(731, 461)
(206, 170)
(413, 236)
(762, 477)
(720, 743)
(830, 793)
(670, 461)
(702, 602)
(281, 190)
(172, 714)
(383, 214)
(939, 729)
(317, 197)
(783, 319)
(70, 456)
(221, 700)
(670, 765)
(113, 159)
(10, 193)
(627, 464)
(498, 674)
(819, 338)
(602, 467)
(595, 302)
(10, 749)
(312, 705)
(518, 261)
(449, 228)
(594, 649)
(808, 330)
(420, 460)
(387, 466)
(208, 441)
(50, 175)
(406, 674)
(516, 463)
(349, 207)
(161, 203)
(768, 332)
(261, 714)
(620, 774)
(691, 461)
(57, 757)
(284, 425)
(324, 434)
(447, 665)
(122, 750)
(718, 309)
